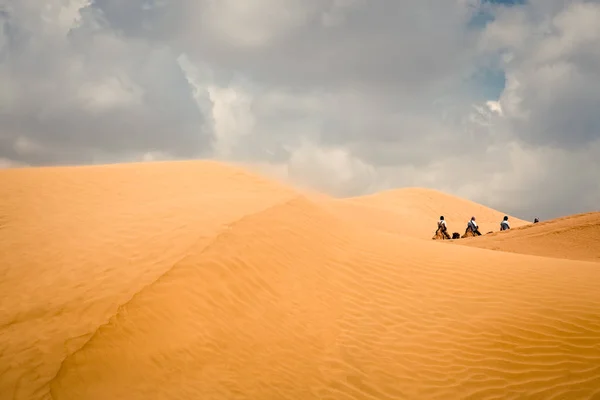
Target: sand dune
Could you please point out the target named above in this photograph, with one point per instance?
(77, 242)
(199, 280)
(415, 212)
(575, 237)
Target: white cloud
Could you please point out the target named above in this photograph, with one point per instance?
(251, 24)
(554, 77)
(333, 170)
(232, 117)
(25, 146)
(6, 163)
(108, 93)
(495, 107)
(346, 96)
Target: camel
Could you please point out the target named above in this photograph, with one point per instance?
(470, 233)
(441, 234)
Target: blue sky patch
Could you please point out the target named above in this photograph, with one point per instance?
(484, 14)
(505, 2)
(486, 82)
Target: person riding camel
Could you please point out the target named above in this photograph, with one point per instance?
(472, 226)
(442, 227)
(504, 225)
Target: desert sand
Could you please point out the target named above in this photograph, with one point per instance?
(575, 237)
(199, 280)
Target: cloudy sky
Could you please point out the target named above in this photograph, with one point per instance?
(496, 101)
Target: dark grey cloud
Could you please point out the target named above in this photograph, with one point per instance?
(372, 45)
(75, 89)
(153, 20)
(346, 96)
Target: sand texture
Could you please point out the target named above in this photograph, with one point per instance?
(414, 212)
(575, 237)
(198, 280)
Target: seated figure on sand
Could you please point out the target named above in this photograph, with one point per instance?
(442, 230)
(472, 228)
(504, 225)
(536, 220)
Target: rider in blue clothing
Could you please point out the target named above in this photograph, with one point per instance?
(504, 225)
(472, 226)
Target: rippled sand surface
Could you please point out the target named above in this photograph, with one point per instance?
(575, 237)
(198, 280)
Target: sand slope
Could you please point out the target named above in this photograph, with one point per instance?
(575, 237)
(415, 212)
(198, 280)
(75, 243)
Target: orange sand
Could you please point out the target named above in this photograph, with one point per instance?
(197, 280)
(575, 237)
(415, 212)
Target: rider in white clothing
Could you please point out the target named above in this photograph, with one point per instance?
(442, 227)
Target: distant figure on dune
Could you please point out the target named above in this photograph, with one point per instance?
(536, 220)
(472, 228)
(442, 228)
(504, 225)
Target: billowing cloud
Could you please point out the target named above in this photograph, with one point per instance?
(551, 57)
(553, 73)
(345, 96)
(77, 91)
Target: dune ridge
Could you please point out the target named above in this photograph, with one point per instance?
(415, 211)
(199, 280)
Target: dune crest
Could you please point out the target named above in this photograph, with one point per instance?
(414, 212)
(199, 280)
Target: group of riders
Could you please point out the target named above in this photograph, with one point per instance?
(471, 227)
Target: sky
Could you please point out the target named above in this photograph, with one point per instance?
(494, 101)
